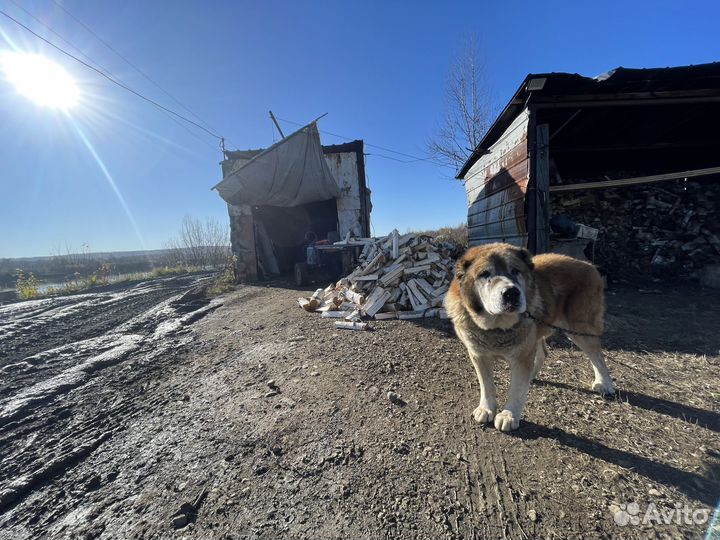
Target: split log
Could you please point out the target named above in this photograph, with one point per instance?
(351, 325)
(335, 314)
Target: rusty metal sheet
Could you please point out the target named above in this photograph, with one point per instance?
(496, 186)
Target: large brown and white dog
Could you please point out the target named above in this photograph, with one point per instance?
(499, 301)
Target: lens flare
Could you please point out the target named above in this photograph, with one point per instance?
(40, 80)
(109, 179)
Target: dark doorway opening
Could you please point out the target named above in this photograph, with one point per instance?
(292, 229)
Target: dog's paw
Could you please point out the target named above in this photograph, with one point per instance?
(604, 388)
(483, 415)
(506, 421)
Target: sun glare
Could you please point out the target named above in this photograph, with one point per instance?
(40, 80)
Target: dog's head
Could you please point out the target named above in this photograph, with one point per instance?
(493, 282)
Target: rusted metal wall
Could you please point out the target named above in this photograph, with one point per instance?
(496, 186)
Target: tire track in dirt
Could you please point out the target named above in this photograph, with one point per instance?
(26, 330)
(46, 427)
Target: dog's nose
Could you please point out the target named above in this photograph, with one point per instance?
(511, 295)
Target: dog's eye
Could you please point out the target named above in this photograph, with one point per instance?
(514, 271)
(485, 275)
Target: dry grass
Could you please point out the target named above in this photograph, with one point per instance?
(457, 234)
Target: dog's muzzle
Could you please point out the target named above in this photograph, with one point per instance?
(511, 299)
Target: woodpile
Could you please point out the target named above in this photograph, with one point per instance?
(399, 277)
(665, 230)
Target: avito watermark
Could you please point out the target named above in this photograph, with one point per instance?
(631, 514)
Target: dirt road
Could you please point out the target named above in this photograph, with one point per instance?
(248, 418)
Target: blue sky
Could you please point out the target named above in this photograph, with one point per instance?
(377, 68)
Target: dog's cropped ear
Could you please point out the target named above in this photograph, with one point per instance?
(461, 267)
(526, 257)
(464, 262)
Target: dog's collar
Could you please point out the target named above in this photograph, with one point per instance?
(515, 326)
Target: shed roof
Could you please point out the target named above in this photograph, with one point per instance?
(620, 86)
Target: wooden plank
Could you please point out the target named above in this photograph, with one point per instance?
(637, 180)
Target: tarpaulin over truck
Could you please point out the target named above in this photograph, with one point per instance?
(291, 172)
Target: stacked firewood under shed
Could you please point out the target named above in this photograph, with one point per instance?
(399, 277)
(665, 230)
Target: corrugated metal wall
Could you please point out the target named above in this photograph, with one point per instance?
(496, 185)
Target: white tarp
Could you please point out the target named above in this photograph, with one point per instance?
(291, 172)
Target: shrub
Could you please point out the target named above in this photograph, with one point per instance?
(227, 278)
(26, 287)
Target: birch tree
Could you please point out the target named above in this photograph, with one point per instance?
(468, 109)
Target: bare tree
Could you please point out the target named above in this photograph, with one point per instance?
(200, 243)
(468, 109)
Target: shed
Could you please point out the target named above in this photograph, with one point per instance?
(296, 192)
(628, 153)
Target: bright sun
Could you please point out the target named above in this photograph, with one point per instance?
(39, 79)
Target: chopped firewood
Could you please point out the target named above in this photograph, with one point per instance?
(318, 295)
(411, 315)
(354, 297)
(391, 276)
(425, 286)
(335, 314)
(395, 243)
(441, 290)
(372, 309)
(398, 276)
(369, 277)
(417, 269)
(351, 325)
(308, 305)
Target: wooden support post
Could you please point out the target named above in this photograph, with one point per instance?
(542, 189)
(272, 116)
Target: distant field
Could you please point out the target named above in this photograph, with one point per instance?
(59, 268)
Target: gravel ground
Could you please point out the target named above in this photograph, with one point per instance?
(154, 412)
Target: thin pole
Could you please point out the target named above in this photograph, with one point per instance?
(272, 116)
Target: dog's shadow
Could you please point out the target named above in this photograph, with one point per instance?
(704, 418)
(691, 484)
